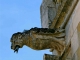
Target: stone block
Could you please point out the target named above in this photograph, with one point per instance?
(76, 16)
(69, 31)
(50, 57)
(74, 42)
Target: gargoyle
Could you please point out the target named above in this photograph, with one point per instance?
(39, 39)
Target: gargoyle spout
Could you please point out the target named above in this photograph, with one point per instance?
(40, 39)
(16, 48)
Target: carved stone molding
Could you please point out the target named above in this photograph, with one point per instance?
(63, 14)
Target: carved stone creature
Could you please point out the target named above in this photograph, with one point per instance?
(39, 39)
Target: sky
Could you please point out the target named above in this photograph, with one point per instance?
(15, 16)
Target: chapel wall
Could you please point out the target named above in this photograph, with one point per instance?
(72, 29)
(73, 33)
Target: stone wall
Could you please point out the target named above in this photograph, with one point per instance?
(72, 29)
(73, 33)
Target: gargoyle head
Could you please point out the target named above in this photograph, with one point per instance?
(16, 41)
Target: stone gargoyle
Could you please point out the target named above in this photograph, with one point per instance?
(39, 39)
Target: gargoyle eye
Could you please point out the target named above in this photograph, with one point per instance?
(14, 42)
(19, 37)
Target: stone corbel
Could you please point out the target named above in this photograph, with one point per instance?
(50, 57)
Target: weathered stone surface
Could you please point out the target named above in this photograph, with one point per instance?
(71, 15)
(66, 13)
(39, 39)
(72, 33)
(60, 8)
(78, 50)
(50, 57)
(48, 11)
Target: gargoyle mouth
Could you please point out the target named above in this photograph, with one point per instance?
(16, 48)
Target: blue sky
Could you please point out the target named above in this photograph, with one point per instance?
(15, 16)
